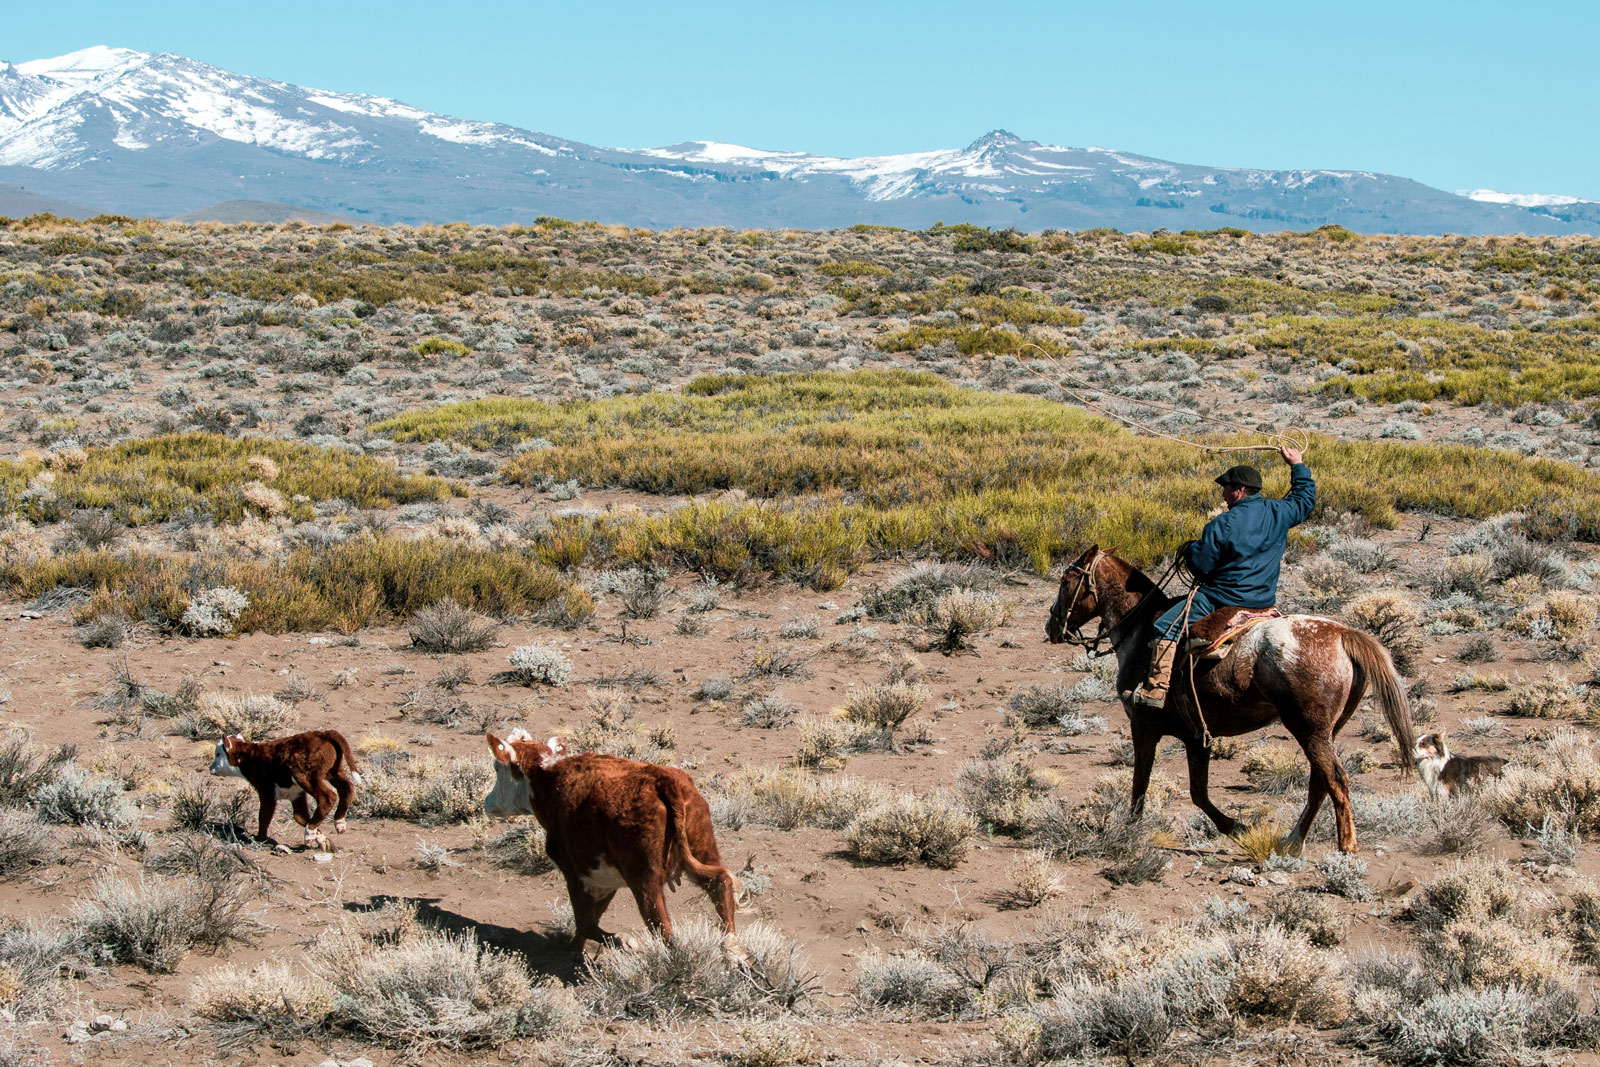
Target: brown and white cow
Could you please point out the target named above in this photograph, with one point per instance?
(611, 823)
(291, 768)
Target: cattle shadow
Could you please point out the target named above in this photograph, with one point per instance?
(545, 954)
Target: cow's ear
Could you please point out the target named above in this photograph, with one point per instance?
(502, 751)
(555, 746)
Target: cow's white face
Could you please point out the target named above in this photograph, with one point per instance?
(221, 767)
(511, 794)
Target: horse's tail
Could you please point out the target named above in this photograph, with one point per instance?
(1373, 665)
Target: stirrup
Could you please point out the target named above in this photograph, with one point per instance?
(1154, 699)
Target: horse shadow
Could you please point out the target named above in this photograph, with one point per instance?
(545, 954)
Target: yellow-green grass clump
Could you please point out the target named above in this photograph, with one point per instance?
(876, 463)
(363, 580)
(156, 479)
(1427, 359)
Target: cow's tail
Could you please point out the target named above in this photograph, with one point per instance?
(1373, 666)
(672, 795)
(347, 757)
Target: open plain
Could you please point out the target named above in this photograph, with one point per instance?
(785, 509)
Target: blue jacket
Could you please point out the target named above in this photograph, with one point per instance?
(1239, 552)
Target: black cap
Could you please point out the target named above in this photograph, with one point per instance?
(1243, 474)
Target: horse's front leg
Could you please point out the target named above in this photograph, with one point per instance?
(1200, 793)
(1146, 736)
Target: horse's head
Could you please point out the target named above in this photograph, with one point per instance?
(1077, 600)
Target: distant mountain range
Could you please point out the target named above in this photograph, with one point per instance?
(162, 135)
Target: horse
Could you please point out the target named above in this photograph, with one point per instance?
(1306, 671)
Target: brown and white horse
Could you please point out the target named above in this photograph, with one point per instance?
(1306, 671)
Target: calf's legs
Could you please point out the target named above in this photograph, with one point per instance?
(587, 907)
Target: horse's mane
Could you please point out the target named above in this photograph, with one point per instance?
(1144, 612)
(1138, 581)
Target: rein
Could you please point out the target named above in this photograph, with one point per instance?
(1115, 633)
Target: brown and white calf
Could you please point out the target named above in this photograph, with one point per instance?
(612, 823)
(317, 763)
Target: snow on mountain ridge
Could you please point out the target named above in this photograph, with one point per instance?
(1492, 196)
(82, 67)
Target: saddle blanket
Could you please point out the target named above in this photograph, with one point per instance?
(1241, 621)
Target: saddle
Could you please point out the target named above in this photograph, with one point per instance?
(1212, 637)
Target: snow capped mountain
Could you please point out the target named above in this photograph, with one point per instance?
(162, 134)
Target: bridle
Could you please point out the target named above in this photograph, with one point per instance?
(1089, 580)
(1086, 580)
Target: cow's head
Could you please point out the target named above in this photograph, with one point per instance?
(517, 756)
(222, 763)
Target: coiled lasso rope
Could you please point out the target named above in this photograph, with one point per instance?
(1274, 442)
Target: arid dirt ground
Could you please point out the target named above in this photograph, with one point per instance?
(726, 680)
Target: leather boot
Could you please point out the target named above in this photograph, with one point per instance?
(1153, 693)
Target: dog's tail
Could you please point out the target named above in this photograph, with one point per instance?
(1373, 666)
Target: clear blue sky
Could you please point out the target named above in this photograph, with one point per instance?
(1469, 94)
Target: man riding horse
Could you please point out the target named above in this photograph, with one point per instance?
(1235, 560)
(1306, 672)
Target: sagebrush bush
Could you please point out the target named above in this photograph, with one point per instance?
(1476, 892)
(78, 798)
(915, 593)
(695, 974)
(1275, 769)
(884, 708)
(521, 849)
(274, 1000)
(1484, 954)
(1550, 697)
(25, 768)
(538, 664)
(1564, 615)
(420, 990)
(1504, 1025)
(827, 743)
(909, 828)
(911, 981)
(788, 799)
(1279, 975)
(1455, 825)
(426, 790)
(1000, 792)
(955, 618)
(1309, 915)
(1561, 783)
(23, 843)
(608, 726)
(155, 925)
(213, 612)
(1346, 875)
(255, 716)
(448, 627)
(1394, 620)
(769, 711)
